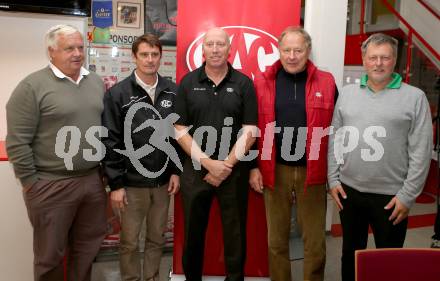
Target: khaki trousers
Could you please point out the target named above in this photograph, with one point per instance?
(311, 209)
(150, 204)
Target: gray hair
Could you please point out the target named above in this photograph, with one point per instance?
(299, 30)
(52, 35)
(379, 39)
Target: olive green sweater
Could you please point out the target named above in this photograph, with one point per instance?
(38, 108)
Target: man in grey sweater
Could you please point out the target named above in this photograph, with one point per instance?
(379, 152)
(52, 115)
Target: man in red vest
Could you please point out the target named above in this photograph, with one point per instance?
(295, 107)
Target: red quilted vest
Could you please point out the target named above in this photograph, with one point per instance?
(320, 90)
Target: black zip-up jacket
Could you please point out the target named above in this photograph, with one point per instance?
(117, 102)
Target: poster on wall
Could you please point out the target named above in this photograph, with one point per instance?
(109, 52)
(160, 19)
(113, 64)
(114, 27)
(253, 48)
(168, 63)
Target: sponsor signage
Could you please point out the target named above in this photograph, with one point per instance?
(253, 27)
(251, 50)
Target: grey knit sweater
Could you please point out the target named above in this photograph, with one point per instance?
(394, 141)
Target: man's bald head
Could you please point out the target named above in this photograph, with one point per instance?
(215, 48)
(216, 32)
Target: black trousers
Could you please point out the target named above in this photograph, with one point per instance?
(360, 211)
(197, 196)
(436, 235)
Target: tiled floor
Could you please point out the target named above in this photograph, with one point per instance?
(416, 237)
(109, 270)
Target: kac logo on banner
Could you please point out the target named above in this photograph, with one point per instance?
(252, 50)
(102, 13)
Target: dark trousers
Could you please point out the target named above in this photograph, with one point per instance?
(360, 211)
(197, 196)
(436, 235)
(68, 216)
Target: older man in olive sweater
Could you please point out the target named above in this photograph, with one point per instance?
(62, 187)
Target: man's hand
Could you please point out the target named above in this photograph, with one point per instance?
(174, 184)
(334, 192)
(212, 180)
(256, 180)
(400, 211)
(119, 199)
(218, 169)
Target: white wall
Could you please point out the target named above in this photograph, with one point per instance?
(22, 49)
(326, 22)
(16, 254)
(21, 52)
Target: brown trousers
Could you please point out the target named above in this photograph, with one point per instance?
(150, 204)
(68, 216)
(311, 209)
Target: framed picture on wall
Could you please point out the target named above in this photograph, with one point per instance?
(129, 15)
(161, 20)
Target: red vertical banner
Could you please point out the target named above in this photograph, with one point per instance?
(253, 27)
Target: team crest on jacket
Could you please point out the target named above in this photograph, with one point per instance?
(166, 103)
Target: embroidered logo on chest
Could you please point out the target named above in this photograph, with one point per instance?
(166, 103)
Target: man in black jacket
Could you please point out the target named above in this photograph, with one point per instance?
(141, 175)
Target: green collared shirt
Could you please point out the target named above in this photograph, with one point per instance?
(395, 83)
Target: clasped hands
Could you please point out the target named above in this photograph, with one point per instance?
(218, 171)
